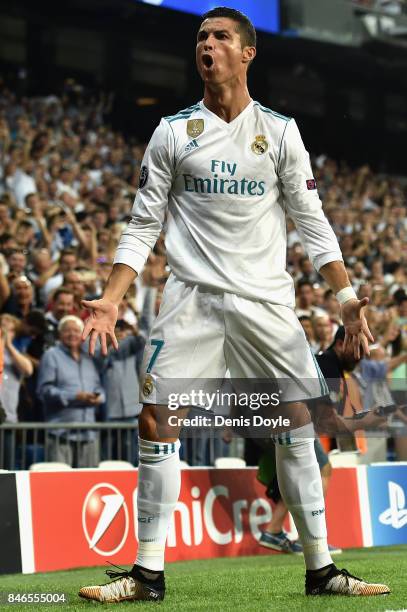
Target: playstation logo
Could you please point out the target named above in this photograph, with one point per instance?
(396, 514)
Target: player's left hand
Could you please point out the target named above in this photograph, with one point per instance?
(357, 332)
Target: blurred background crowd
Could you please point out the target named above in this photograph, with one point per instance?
(67, 183)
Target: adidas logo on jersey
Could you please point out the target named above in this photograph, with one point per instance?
(191, 145)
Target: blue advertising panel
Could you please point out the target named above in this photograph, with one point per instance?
(264, 14)
(387, 486)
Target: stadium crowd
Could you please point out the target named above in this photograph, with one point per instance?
(67, 183)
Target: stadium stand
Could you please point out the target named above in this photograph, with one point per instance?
(66, 189)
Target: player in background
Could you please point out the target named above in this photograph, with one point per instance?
(224, 173)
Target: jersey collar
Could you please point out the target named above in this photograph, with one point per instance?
(225, 124)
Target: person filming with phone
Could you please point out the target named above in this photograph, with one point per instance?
(70, 389)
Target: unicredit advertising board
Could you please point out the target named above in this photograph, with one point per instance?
(88, 517)
(264, 14)
(85, 518)
(60, 520)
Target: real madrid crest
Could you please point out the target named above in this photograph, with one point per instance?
(148, 385)
(259, 145)
(195, 127)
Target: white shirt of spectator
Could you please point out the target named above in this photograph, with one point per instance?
(21, 184)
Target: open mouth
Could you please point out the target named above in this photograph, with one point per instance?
(207, 60)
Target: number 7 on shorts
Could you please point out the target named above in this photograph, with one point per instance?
(158, 346)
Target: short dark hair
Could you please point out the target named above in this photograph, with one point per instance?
(67, 251)
(28, 196)
(25, 223)
(62, 291)
(245, 26)
(5, 237)
(340, 335)
(36, 318)
(304, 282)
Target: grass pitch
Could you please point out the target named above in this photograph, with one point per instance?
(243, 583)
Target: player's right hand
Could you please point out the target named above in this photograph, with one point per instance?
(100, 324)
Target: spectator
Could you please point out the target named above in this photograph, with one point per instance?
(305, 300)
(34, 327)
(20, 298)
(75, 283)
(62, 305)
(333, 414)
(323, 333)
(308, 271)
(3, 414)
(40, 271)
(308, 328)
(16, 366)
(374, 371)
(121, 387)
(68, 261)
(17, 263)
(70, 389)
(332, 306)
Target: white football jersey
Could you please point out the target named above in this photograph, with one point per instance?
(224, 190)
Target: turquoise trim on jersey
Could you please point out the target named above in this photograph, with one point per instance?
(183, 114)
(271, 112)
(322, 382)
(284, 439)
(281, 145)
(174, 161)
(166, 449)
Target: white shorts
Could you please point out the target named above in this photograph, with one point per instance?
(198, 335)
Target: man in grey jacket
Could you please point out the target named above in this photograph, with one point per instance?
(70, 389)
(122, 389)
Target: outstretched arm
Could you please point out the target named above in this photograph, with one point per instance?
(357, 333)
(305, 208)
(103, 317)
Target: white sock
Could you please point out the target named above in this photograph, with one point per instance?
(300, 484)
(159, 483)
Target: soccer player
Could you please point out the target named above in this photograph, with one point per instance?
(224, 173)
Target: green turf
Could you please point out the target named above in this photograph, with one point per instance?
(245, 583)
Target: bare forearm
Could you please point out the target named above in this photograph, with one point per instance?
(93, 250)
(4, 289)
(80, 235)
(20, 361)
(41, 280)
(327, 421)
(46, 236)
(334, 273)
(395, 362)
(119, 281)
